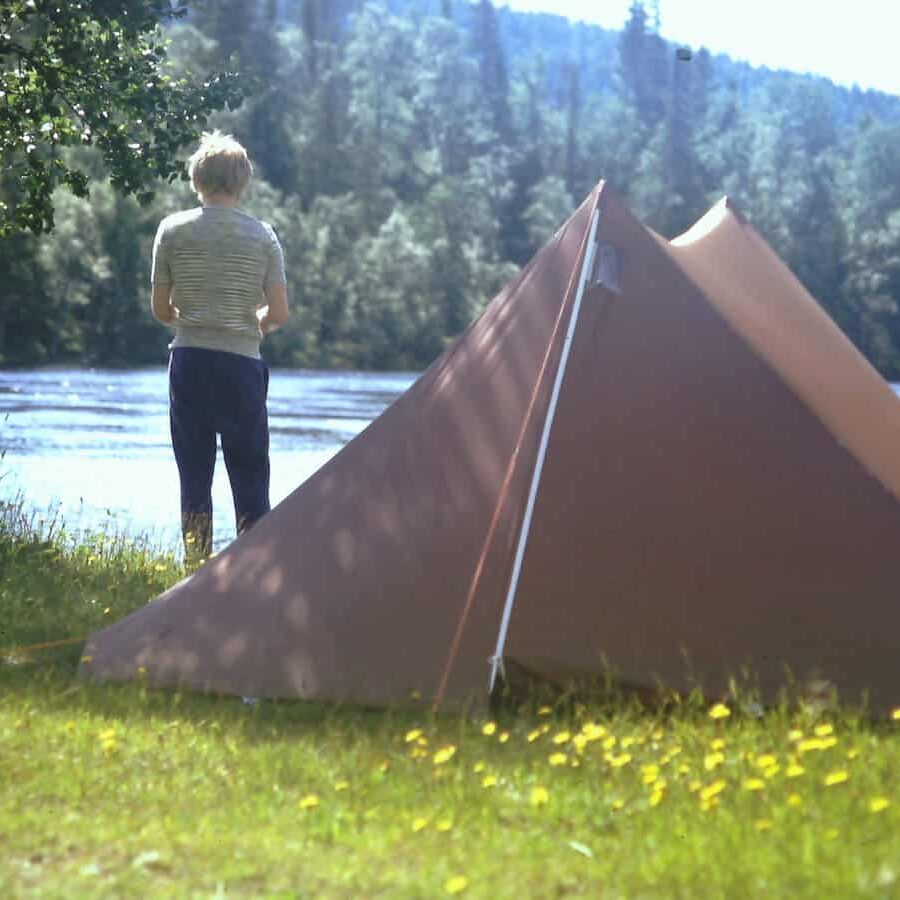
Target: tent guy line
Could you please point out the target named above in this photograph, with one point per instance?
(496, 661)
(504, 490)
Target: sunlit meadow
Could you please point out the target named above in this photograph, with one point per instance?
(124, 791)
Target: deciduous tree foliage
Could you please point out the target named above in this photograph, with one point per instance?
(90, 73)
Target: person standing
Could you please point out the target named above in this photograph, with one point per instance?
(218, 278)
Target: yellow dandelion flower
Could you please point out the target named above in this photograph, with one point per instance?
(593, 732)
(479, 767)
(545, 711)
(877, 804)
(795, 735)
(558, 759)
(539, 796)
(576, 763)
(837, 777)
(444, 825)
(503, 737)
(895, 714)
(650, 771)
(341, 785)
(621, 760)
(419, 824)
(707, 805)
(719, 711)
(754, 784)
(579, 742)
(456, 885)
(545, 728)
(683, 769)
(422, 741)
(657, 796)
(534, 735)
(489, 781)
(310, 801)
(489, 729)
(610, 742)
(445, 754)
(853, 753)
(713, 760)
(617, 805)
(824, 730)
(658, 735)
(561, 737)
(766, 760)
(628, 741)
(717, 744)
(695, 786)
(713, 790)
(816, 743)
(794, 770)
(762, 824)
(795, 800)
(413, 735)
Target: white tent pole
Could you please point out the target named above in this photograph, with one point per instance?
(496, 660)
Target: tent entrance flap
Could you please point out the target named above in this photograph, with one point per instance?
(496, 660)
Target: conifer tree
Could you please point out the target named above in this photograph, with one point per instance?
(494, 73)
(573, 123)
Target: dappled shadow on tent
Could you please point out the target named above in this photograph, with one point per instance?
(364, 569)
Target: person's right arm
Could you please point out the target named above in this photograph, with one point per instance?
(275, 313)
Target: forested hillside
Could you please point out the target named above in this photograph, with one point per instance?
(413, 153)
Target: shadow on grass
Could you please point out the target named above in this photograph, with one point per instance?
(52, 685)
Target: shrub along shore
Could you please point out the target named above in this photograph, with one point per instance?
(115, 790)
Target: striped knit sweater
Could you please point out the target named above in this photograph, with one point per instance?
(218, 260)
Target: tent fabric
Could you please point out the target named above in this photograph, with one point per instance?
(720, 494)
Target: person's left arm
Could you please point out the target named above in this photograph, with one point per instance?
(161, 280)
(161, 304)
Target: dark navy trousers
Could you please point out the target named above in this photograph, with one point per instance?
(216, 393)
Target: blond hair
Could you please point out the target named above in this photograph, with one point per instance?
(219, 165)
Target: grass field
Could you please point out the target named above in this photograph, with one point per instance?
(122, 791)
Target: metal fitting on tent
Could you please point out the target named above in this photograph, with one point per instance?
(606, 268)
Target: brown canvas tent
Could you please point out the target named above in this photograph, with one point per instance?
(661, 457)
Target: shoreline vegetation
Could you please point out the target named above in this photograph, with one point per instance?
(414, 155)
(117, 789)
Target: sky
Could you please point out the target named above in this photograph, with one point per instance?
(850, 42)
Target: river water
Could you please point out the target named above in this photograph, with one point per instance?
(92, 446)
